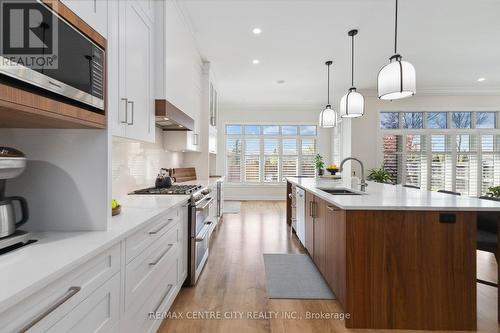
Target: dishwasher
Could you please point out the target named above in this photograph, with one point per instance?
(300, 203)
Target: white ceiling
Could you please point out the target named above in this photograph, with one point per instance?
(451, 43)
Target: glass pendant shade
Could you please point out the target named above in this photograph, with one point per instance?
(352, 104)
(328, 117)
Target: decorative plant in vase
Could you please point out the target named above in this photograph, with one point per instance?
(319, 164)
(379, 175)
(494, 192)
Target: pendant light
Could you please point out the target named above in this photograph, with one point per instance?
(328, 117)
(397, 79)
(352, 104)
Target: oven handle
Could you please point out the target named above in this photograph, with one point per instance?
(208, 202)
(204, 233)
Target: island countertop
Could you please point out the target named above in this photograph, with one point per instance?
(392, 197)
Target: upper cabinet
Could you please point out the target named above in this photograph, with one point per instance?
(178, 66)
(131, 100)
(93, 12)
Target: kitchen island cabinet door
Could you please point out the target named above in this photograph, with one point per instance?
(309, 224)
(319, 243)
(335, 251)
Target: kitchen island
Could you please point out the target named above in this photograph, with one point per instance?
(397, 258)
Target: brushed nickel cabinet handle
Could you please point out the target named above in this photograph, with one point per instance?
(126, 111)
(154, 263)
(72, 291)
(332, 208)
(170, 286)
(133, 111)
(160, 228)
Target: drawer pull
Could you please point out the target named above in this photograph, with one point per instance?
(72, 291)
(160, 228)
(332, 209)
(162, 255)
(170, 286)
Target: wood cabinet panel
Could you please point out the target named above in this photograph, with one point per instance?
(319, 243)
(406, 270)
(309, 224)
(335, 251)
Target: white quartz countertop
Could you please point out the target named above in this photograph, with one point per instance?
(34, 266)
(392, 197)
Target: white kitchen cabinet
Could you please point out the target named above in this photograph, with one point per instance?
(214, 104)
(184, 214)
(130, 59)
(212, 140)
(93, 12)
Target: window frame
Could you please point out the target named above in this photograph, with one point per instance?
(428, 132)
(262, 155)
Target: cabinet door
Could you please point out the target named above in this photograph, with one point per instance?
(93, 12)
(136, 74)
(335, 247)
(309, 224)
(319, 208)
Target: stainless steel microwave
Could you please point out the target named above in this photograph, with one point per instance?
(77, 65)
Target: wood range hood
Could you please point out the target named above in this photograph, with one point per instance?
(171, 118)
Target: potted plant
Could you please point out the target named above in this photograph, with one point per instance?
(319, 164)
(379, 175)
(494, 192)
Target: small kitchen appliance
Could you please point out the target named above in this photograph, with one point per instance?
(12, 164)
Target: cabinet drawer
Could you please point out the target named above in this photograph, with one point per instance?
(157, 298)
(136, 243)
(49, 305)
(97, 313)
(141, 270)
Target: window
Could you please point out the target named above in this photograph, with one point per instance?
(460, 119)
(413, 120)
(269, 153)
(389, 120)
(486, 119)
(437, 120)
(455, 151)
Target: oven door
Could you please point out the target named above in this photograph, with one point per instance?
(200, 228)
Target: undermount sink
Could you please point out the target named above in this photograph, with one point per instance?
(339, 191)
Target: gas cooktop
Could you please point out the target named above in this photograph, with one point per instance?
(174, 189)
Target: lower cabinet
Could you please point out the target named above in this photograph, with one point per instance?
(326, 242)
(126, 288)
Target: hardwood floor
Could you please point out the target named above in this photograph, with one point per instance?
(233, 283)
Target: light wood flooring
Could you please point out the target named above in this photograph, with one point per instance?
(233, 282)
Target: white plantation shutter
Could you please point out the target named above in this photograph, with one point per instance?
(252, 160)
(271, 160)
(466, 165)
(268, 154)
(308, 149)
(490, 162)
(441, 163)
(416, 161)
(392, 148)
(233, 161)
(290, 159)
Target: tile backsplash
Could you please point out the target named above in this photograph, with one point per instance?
(136, 164)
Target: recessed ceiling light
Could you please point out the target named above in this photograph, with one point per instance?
(257, 31)
(181, 126)
(280, 81)
(165, 118)
(481, 79)
(256, 61)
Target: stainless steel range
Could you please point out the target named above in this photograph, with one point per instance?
(201, 204)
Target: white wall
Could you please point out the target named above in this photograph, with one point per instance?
(65, 182)
(365, 130)
(135, 164)
(266, 114)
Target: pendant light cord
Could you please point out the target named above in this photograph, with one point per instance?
(328, 92)
(352, 62)
(396, 30)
